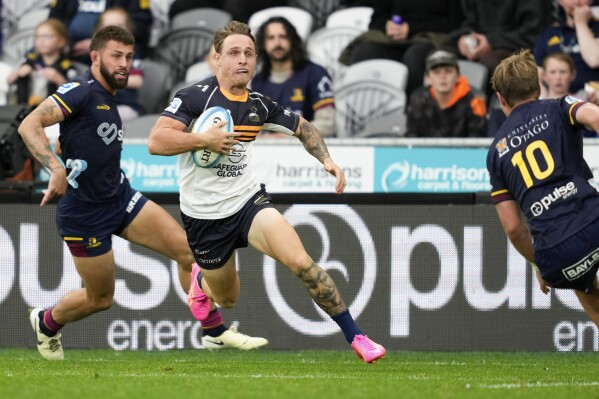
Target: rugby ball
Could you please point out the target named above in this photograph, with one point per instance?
(205, 158)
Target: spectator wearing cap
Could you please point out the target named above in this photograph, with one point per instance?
(447, 106)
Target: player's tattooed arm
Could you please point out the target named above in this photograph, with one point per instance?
(312, 141)
(322, 289)
(314, 144)
(34, 136)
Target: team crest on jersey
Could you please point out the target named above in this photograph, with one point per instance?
(67, 86)
(297, 95)
(502, 147)
(554, 41)
(174, 105)
(254, 117)
(572, 100)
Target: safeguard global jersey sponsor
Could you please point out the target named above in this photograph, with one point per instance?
(536, 159)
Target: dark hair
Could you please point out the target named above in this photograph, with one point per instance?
(299, 56)
(232, 28)
(108, 33)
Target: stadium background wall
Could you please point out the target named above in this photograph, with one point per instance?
(433, 276)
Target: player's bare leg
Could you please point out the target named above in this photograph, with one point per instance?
(590, 302)
(156, 229)
(222, 284)
(98, 277)
(272, 235)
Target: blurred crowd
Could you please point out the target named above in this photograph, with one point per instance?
(440, 56)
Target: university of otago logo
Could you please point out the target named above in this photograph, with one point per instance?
(502, 147)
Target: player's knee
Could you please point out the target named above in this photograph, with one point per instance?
(227, 303)
(102, 303)
(185, 262)
(184, 258)
(300, 264)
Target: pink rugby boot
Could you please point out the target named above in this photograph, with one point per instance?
(198, 302)
(367, 349)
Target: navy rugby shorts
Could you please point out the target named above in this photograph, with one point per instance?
(213, 241)
(87, 228)
(572, 263)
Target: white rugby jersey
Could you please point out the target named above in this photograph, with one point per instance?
(222, 190)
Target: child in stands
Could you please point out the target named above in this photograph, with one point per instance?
(46, 66)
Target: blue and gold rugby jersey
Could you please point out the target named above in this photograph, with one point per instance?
(536, 159)
(91, 140)
(305, 92)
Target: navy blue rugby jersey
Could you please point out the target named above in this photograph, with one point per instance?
(91, 140)
(250, 112)
(305, 92)
(536, 159)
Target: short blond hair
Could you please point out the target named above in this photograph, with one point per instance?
(232, 28)
(516, 78)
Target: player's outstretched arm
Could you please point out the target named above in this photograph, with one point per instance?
(169, 137)
(515, 228)
(315, 145)
(32, 132)
(518, 233)
(588, 115)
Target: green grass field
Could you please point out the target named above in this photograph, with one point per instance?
(104, 374)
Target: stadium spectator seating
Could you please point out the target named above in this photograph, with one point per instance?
(320, 9)
(301, 19)
(371, 99)
(211, 19)
(325, 45)
(356, 17)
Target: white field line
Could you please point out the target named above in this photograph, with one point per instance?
(540, 385)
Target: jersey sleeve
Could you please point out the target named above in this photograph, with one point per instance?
(569, 106)
(278, 117)
(499, 191)
(321, 88)
(188, 103)
(71, 97)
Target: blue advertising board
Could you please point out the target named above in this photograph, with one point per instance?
(432, 170)
(378, 169)
(149, 173)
